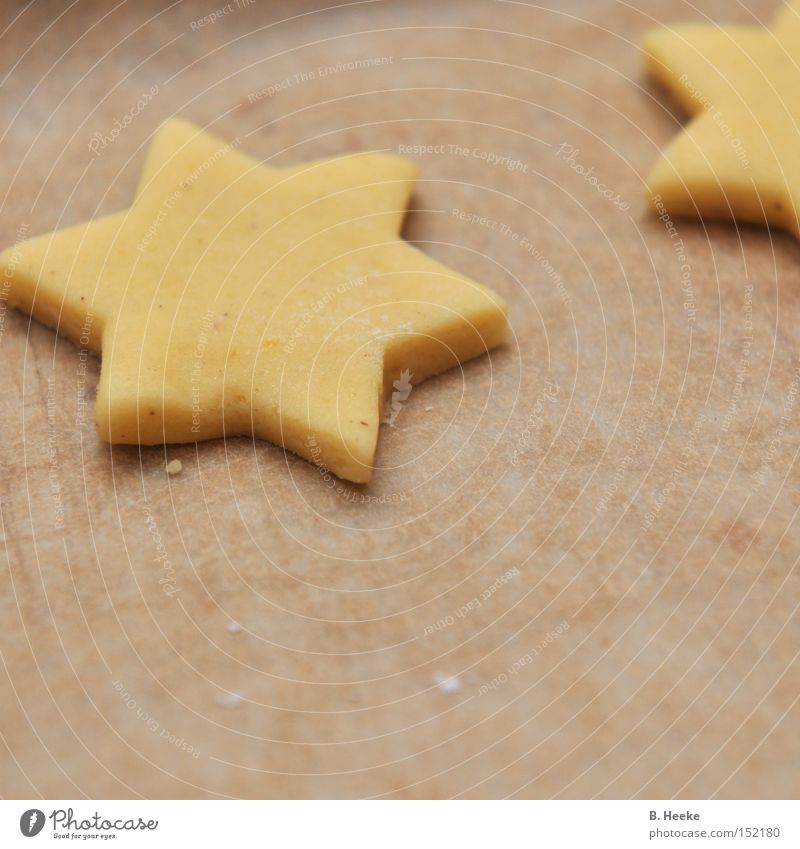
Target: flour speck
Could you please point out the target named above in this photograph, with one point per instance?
(229, 700)
(449, 684)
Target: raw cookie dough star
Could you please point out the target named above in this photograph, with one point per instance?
(234, 298)
(739, 156)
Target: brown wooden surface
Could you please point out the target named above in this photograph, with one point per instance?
(619, 655)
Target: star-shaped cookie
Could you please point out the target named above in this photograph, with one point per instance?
(237, 299)
(739, 156)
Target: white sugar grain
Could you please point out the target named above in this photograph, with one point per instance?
(229, 700)
(450, 684)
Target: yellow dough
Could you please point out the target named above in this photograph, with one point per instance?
(739, 156)
(234, 298)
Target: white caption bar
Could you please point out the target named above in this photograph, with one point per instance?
(400, 825)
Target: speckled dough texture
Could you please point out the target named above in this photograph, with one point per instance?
(574, 573)
(233, 299)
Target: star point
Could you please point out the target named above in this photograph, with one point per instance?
(738, 157)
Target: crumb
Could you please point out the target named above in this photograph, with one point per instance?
(428, 409)
(234, 627)
(174, 466)
(229, 700)
(449, 684)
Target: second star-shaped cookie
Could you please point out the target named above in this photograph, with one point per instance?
(739, 157)
(237, 299)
